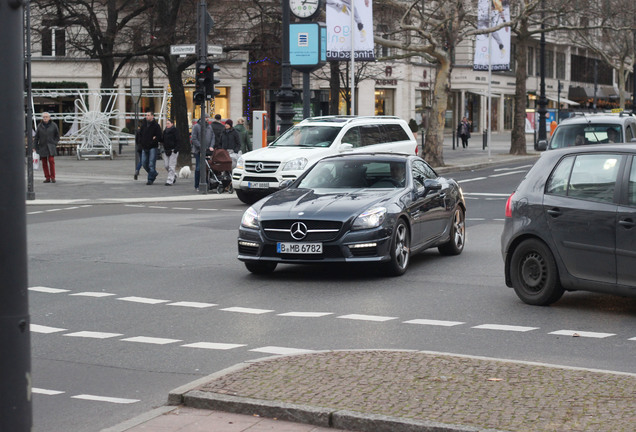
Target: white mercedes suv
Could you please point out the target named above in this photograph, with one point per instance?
(260, 172)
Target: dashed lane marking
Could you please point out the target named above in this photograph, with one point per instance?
(305, 314)
(471, 179)
(198, 305)
(507, 173)
(512, 168)
(145, 300)
(105, 399)
(213, 345)
(281, 350)
(247, 310)
(48, 290)
(93, 335)
(434, 322)
(505, 327)
(151, 340)
(46, 392)
(92, 294)
(35, 328)
(575, 333)
(359, 317)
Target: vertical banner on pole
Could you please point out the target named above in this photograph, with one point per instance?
(339, 30)
(491, 13)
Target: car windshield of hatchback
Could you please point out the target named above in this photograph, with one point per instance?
(355, 174)
(307, 136)
(583, 134)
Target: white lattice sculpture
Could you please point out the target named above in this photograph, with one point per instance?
(95, 131)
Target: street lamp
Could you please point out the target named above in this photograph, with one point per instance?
(543, 102)
(285, 95)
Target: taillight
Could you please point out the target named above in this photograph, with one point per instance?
(509, 205)
(417, 149)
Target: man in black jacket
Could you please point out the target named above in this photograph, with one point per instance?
(218, 128)
(148, 138)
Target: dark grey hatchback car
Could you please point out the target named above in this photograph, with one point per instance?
(571, 225)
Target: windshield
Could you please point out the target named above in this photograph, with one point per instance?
(582, 134)
(353, 174)
(307, 136)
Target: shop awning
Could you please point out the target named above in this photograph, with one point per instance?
(561, 100)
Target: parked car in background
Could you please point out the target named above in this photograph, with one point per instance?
(571, 225)
(260, 172)
(366, 208)
(587, 128)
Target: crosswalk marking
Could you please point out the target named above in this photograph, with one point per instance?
(192, 304)
(505, 327)
(281, 350)
(36, 390)
(582, 334)
(93, 335)
(36, 328)
(213, 345)
(151, 340)
(367, 317)
(306, 314)
(434, 322)
(48, 290)
(247, 310)
(145, 300)
(105, 399)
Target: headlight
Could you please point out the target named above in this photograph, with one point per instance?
(370, 219)
(295, 165)
(250, 218)
(240, 163)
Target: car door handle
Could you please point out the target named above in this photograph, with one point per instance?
(554, 212)
(627, 223)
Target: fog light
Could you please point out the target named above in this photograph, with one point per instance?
(247, 243)
(362, 245)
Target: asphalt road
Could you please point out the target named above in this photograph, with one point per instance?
(130, 301)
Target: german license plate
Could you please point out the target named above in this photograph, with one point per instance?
(299, 248)
(258, 185)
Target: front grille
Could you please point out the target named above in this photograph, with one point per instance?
(318, 231)
(364, 252)
(261, 166)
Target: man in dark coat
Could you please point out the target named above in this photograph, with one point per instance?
(218, 128)
(148, 138)
(47, 136)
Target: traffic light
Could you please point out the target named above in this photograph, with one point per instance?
(202, 74)
(210, 91)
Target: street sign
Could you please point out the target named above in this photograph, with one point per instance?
(191, 49)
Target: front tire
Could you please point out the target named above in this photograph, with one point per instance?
(258, 267)
(455, 244)
(400, 249)
(534, 274)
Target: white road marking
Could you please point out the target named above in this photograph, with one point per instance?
(281, 350)
(35, 328)
(182, 208)
(512, 168)
(48, 290)
(35, 212)
(487, 194)
(472, 179)
(134, 205)
(157, 207)
(192, 304)
(205, 209)
(434, 322)
(92, 294)
(247, 310)
(151, 340)
(213, 345)
(233, 210)
(634, 339)
(582, 334)
(367, 317)
(505, 327)
(143, 300)
(306, 314)
(507, 173)
(45, 391)
(93, 335)
(53, 210)
(105, 399)
(475, 219)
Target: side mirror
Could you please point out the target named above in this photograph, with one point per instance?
(541, 145)
(346, 147)
(633, 140)
(429, 185)
(286, 183)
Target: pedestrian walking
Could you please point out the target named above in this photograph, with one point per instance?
(45, 142)
(463, 130)
(230, 141)
(170, 141)
(246, 144)
(149, 136)
(218, 127)
(196, 147)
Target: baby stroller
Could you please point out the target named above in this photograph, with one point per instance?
(220, 171)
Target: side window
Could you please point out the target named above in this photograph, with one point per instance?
(631, 190)
(395, 132)
(421, 172)
(558, 182)
(352, 136)
(370, 135)
(594, 177)
(629, 133)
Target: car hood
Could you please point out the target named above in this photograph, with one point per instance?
(325, 204)
(284, 154)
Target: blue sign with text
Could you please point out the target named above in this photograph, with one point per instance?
(304, 44)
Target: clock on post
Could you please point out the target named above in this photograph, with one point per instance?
(304, 9)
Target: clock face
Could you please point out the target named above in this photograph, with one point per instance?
(303, 8)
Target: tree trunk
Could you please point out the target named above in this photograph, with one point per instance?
(334, 87)
(518, 136)
(179, 110)
(433, 146)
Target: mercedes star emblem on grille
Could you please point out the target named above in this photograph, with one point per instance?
(259, 167)
(298, 230)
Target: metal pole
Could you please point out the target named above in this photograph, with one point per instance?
(286, 95)
(353, 59)
(306, 96)
(202, 52)
(15, 360)
(543, 102)
(30, 195)
(489, 109)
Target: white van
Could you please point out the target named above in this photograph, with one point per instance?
(260, 172)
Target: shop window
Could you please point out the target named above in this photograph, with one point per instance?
(384, 102)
